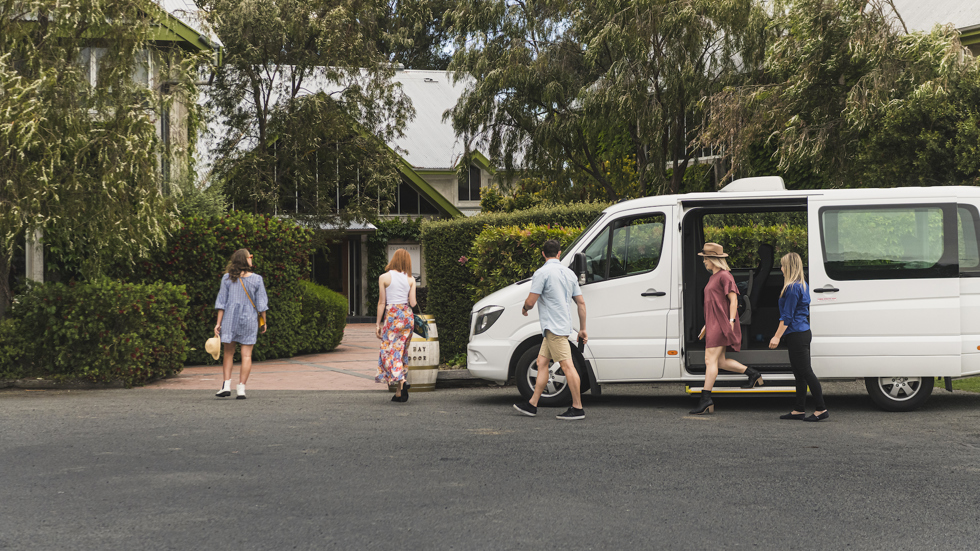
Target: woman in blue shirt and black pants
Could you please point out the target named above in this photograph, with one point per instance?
(794, 313)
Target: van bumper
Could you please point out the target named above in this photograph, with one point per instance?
(489, 359)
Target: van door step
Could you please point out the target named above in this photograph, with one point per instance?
(764, 389)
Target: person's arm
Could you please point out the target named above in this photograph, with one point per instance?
(582, 334)
(411, 293)
(262, 303)
(732, 309)
(381, 305)
(779, 334)
(529, 302)
(219, 304)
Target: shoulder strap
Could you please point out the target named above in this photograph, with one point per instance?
(246, 293)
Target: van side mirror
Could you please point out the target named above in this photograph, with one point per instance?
(578, 266)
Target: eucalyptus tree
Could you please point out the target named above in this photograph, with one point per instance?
(79, 160)
(415, 33)
(848, 93)
(605, 93)
(305, 104)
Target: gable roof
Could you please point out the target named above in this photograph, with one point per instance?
(429, 142)
(184, 22)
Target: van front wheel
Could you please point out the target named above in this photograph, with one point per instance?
(899, 393)
(555, 394)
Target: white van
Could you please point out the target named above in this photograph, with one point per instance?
(894, 278)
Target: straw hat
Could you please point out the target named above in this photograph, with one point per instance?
(213, 347)
(713, 250)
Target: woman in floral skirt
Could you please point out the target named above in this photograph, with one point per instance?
(396, 296)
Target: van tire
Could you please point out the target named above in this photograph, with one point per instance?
(526, 369)
(912, 392)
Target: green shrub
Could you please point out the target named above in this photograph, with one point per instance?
(446, 245)
(104, 331)
(196, 255)
(324, 317)
(742, 242)
(15, 355)
(501, 256)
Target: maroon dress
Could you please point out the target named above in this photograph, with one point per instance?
(717, 309)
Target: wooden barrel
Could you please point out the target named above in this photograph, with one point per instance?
(423, 358)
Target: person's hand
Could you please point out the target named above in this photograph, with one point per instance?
(774, 342)
(377, 330)
(583, 335)
(265, 327)
(524, 311)
(732, 323)
(217, 330)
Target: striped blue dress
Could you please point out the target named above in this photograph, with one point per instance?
(241, 321)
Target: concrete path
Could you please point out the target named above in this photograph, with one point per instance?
(350, 366)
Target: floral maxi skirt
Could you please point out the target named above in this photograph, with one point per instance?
(395, 333)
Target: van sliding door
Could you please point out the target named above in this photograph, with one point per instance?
(884, 287)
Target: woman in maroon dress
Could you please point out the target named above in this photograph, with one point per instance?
(721, 329)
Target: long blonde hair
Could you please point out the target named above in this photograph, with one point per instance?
(792, 266)
(719, 262)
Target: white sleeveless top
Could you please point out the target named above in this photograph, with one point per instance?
(397, 292)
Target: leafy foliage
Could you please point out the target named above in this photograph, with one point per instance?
(101, 332)
(307, 105)
(414, 33)
(742, 242)
(846, 93)
(323, 318)
(81, 161)
(502, 255)
(446, 245)
(196, 256)
(598, 97)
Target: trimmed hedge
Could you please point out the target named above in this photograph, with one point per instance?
(196, 256)
(501, 256)
(742, 242)
(324, 315)
(100, 332)
(15, 356)
(446, 245)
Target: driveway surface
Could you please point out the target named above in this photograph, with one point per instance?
(460, 469)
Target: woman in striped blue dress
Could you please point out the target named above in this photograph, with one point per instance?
(241, 303)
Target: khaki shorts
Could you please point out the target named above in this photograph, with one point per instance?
(555, 347)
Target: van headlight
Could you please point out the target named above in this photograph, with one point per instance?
(486, 317)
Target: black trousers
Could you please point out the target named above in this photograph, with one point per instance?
(799, 358)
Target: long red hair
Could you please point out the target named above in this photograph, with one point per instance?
(401, 262)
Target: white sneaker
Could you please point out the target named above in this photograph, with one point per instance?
(241, 391)
(225, 390)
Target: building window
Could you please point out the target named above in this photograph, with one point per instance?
(409, 201)
(469, 186)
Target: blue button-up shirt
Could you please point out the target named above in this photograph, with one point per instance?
(794, 308)
(557, 285)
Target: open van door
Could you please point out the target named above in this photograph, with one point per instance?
(884, 293)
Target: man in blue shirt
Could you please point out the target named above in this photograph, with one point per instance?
(554, 285)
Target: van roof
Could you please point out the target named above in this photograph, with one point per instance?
(856, 193)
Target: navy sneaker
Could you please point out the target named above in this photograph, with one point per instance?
(573, 414)
(526, 409)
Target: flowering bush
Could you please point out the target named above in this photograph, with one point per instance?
(501, 256)
(100, 332)
(196, 255)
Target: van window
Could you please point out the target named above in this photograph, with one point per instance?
(742, 233)
(634, 247)
(968, 221)
(888, 242)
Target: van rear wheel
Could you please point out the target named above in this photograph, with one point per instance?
(555, 394)
(899, 393)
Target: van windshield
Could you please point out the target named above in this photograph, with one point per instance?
(573, 244)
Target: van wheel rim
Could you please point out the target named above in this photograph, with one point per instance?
(900, 389)
(556, 379)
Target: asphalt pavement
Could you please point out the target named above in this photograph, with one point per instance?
(460, 469)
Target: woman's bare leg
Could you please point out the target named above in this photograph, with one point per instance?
(729, 364)
(711, 357)
(246, 363)
(229, 359)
